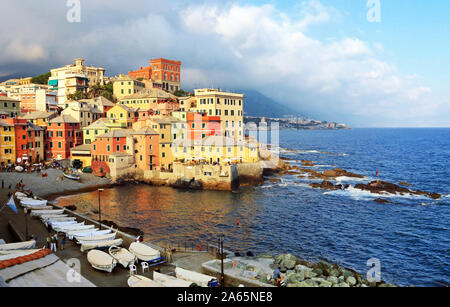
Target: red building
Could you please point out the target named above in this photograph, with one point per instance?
(63, 133)
(200, 126)
(163, 71)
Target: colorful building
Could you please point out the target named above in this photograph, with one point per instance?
(113, 142)
(39, 118)
(83, 112)
(126, 86)
(63, 133)
(146, 149)
(7, 143)
(123, 114)
(10, 106)
(200, 125)
(229, 106)
(100, 127)
(161, 102)
(162, 71)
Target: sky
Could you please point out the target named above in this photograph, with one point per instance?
(324, 58)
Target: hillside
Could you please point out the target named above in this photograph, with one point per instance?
(257, 104)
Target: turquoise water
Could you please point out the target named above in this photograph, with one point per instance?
(410, 236)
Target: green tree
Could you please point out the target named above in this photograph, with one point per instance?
(182, 93)
(41, 79)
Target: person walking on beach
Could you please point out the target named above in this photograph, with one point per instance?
(63, 241)
(53, 244)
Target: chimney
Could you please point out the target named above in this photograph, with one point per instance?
(79, 62)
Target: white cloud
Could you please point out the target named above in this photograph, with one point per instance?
(228, 44)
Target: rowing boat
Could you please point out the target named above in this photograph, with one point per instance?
(170, 281)
(144, 252)
(94, 239)
(122, 256)
(101, 261)
(19, 245)
(102, 244)
(138, 281)
(46, 212)
(194, 277)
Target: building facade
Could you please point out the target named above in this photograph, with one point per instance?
(63, 133)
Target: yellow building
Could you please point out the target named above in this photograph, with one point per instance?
(229, 106)
(126, 86)
(187, 103)
(123, 114)
(7, 143)
(146, 100)
(99, 127)
(81, 153)
(163, 127)
(215, 149)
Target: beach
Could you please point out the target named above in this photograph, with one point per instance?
(52, 185)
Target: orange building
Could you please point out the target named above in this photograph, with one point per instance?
(162, 71)
(105, 145)
(63, 133)
(146, 148)
(200, 126)
(29, 140)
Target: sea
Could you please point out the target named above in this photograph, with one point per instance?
(410, 236)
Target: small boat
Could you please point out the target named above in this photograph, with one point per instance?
(19, 245)
(144, 252)
(101, 261)
(93, 233)
(33, 202)
(73, 228)
(170, 281)
(20, 195)
(52, 220)
(101, 244)
(60, 224)
(46, 212)
(37, 207)
(200, 279)
(122, 256)
(138, 281)
(19, 169)
(46, 217)
(87, 233)
(95, 239)
(71, 174)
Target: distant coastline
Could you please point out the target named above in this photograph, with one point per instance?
(296, 123)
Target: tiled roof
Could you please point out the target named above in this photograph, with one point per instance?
(65, 119)
(145, 131)
(117, 133)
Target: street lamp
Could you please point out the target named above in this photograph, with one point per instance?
(222, 274)
(99, 209)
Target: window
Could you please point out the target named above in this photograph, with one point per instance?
(108, 148)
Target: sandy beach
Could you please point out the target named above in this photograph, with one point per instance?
(52, 184)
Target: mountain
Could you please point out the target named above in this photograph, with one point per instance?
(257, 104)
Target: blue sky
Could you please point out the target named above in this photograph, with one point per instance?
(322, 57)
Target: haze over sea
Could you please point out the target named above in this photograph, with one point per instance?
(410, 236)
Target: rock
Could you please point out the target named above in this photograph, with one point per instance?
(405, 183)
(342, 285)
(334, 273)
(326, 284)
(341, 279)
(289, 264)
(318, 271)
(333, 280)
(347, 273)
(290, 272)
(296, 277)
(71, 208)
(301, 268)
(307, 163)
(310, 274)
(382, 201)
(324, 265)
(326, 185)
(265, 256)
(380, 187)
(351, 280)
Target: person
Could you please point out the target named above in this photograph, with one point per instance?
(63, 241)
(49, 244)
(55, 236)
(53, 244)
(277, 277)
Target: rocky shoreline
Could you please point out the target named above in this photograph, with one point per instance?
(376, 187)
(299, 273)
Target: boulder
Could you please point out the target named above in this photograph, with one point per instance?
(301, 268)
(351, 280)
(333, 280)
(289, 264)
(342, 285)
(310, 274)
(382, 201)
(296, 277)
(334, 273)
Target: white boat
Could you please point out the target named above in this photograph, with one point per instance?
(170, 281)
(138, 281)
(101, 261)
(56, 220)
(86, 234)
(102, 244)
(19, 245)
(73, 228)
(37, 207)
(33, 202)
(61, 224)
(201, 280)
(94, 239)
(46, 212)
(20, 195)
(52, 216)
(144, 252)
(19, 169)
(122, 256)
